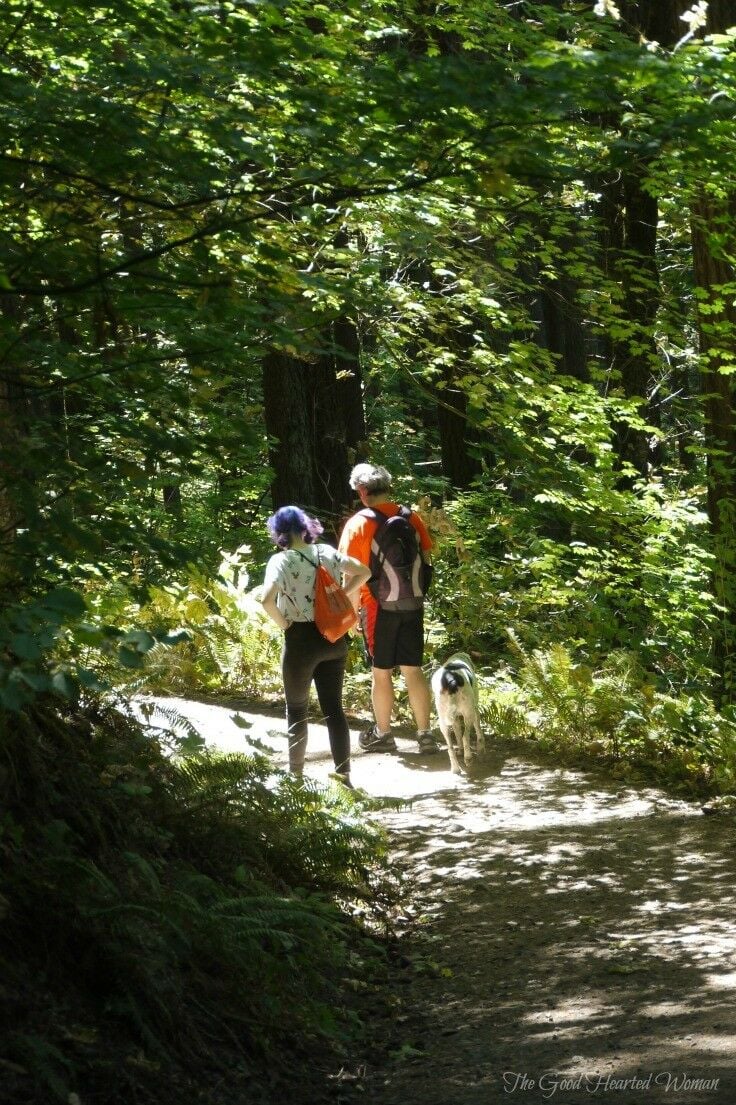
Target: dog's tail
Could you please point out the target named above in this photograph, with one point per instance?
(453, 679)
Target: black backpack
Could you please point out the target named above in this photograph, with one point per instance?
(400, 576)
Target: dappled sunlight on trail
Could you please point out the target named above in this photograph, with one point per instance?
(578, 939)
(590, 931)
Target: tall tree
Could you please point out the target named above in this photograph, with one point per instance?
(714, 247)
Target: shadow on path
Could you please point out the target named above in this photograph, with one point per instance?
(585, 938)
(580, 938)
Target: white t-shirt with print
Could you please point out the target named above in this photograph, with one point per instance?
(294, 573)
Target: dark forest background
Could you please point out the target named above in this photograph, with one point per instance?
(244, 245)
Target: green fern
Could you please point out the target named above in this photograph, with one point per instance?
(504, 720)
(216, 902)
(179, 732)
(231, 647)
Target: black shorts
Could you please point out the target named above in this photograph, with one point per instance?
(395, 638)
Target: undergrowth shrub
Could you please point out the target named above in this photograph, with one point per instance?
(610, 620)
(171, 924)
(203, 635)
(613, 712)
(227, 644)
(626, 573)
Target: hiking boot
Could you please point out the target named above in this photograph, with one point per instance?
(427, 744)
(343, 778)
(370, 740)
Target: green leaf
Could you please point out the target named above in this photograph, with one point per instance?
(90, 680)
(140, 640)
(38, 681)
(130, 658)
(65, 601)
(135, 790)
(25, 646)
(63, 684)
(12, 697)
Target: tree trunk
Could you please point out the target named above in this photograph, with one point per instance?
(287, 411)
(717, 332)
(314, 419)
(329, 434)
(346, 339)
(8, 515)
(171, 494)
(459, 466)
(630, 237)
(561, 329)
(17, 483)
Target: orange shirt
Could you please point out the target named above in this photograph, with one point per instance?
(355, 539)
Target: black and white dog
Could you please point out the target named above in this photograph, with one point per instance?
(455, 688)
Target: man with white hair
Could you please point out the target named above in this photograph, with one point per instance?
(394, 637)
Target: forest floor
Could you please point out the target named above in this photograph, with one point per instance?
(574, 939)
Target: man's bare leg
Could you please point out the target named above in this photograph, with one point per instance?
(382, 696)
(420, 698)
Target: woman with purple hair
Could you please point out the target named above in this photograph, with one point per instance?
(288, 599)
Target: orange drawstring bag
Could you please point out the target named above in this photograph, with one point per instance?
(333, 611)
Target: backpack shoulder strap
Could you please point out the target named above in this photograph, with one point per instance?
(373, 511)
(374, 514)
(308, 559)
(312, 564)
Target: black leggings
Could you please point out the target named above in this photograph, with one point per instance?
(308, 656)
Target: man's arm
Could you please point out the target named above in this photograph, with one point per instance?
(355, 543)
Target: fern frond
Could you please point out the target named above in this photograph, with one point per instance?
(176, 721)
(213, 773)
(504, 720)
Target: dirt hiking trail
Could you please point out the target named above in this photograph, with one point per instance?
(578, 939)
